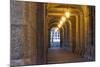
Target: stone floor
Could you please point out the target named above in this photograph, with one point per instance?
(55, 55)
(60, 55)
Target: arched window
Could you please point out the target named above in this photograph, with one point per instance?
(54, 38)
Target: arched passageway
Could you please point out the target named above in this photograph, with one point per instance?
(52, 33)
(54, 38)
(71, 22)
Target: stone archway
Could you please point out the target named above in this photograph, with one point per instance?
(54, 38)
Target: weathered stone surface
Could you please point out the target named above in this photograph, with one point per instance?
(23, 33)
(16, 12)
(16, 42)
(16, 28)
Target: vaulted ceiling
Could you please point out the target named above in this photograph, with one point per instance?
(56, 11)
(59, 9)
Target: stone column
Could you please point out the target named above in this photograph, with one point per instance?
(41, 52)
(29, 33)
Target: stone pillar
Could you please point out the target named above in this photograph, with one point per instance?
(29, 33)
(41, 53)
(90, 43)
(65, 38)
(73, 23)
(16, 29)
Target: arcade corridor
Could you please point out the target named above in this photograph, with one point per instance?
(68, 24)
(45, 33)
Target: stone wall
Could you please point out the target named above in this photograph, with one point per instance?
(23, 33)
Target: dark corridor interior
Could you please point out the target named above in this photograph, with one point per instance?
(67, 32)
(47, 33)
